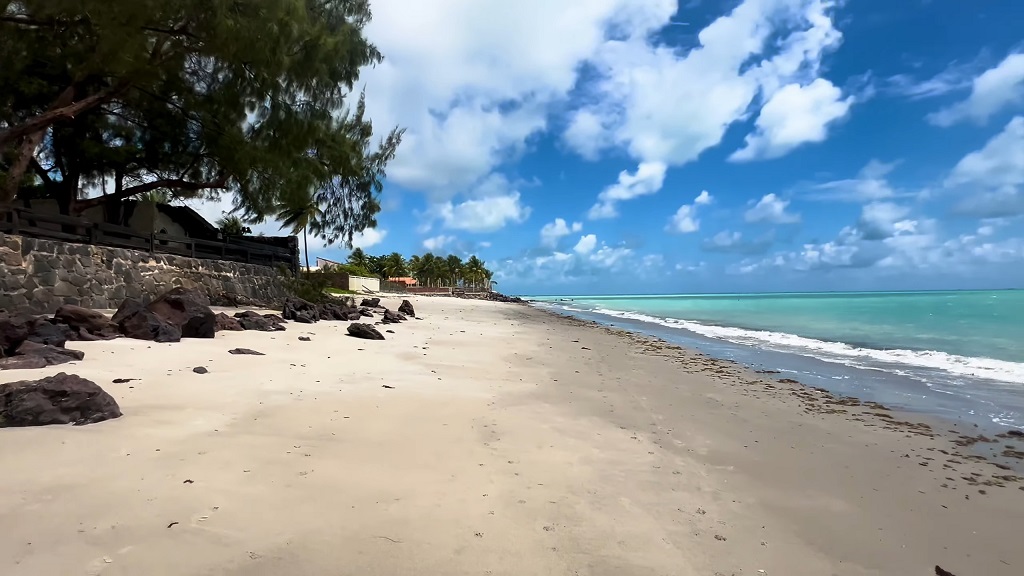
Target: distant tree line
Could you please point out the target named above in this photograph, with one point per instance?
(428, 269)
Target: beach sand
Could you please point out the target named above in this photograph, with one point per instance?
(512, 442)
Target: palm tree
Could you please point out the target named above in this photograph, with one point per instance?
(232, 225)
(454, 265)
(359, 259)
(302, 212)
(376, 266)
(395, 266)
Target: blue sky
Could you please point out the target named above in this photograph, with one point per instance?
(617, 146)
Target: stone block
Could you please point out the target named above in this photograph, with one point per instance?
(65, 289)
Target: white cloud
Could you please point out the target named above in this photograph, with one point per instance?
(369, 238)
(483, 214)
(881, 220)
(992, 91)
(552, 232)
(685, 221)
(586, 244)
(870, 184)
(793, 116)
(991, 179)
(771, 208)
(472, 81)
(647, 179)
(436, 243)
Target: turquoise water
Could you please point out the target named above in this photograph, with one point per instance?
(967, 343)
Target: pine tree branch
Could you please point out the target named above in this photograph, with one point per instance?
(171, 183)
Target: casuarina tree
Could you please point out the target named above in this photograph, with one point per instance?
(253, 100)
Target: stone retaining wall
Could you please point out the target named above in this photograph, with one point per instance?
(38, 276)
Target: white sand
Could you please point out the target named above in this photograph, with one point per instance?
(504, 448)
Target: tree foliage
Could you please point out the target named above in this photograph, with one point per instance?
(199, 98)
(428, 269)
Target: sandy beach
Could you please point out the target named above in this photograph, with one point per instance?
(486, 439)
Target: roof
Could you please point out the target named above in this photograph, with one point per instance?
(403, 280)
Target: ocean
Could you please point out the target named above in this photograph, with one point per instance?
(958, 354)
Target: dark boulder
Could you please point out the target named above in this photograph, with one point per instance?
(31, 355)
(14, 329)
(250, 320)
(200, 370)
(305, 339)
(245, 352)
(86, 324)
(390, 317)
(364, 331)
(46, 331)
(225, 323)
(370, 302)
(188, 310)
(299, 310)
(138, 322)
(365, 312)
(406, 308)
(334, 312)
(60, 399)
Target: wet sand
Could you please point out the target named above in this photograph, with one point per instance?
(510, 442)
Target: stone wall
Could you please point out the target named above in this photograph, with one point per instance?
(40, 275)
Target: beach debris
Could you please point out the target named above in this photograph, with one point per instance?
(225, 323)
(390, 331)
(305, 339)
(59, 399)
(720, 538)
(389, 539)
(245, 352)
(364, 331)
(172, 524)
(188, 481)
(123, 380)
(388, 387)
(406, 308)
(187, 310)
(200, 370)
(584, 348)
(136, 322)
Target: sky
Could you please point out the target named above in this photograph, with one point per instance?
(656, 146)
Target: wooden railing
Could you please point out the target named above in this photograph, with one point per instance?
(25, 222)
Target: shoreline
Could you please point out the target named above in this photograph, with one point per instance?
(918, 392)
(485, 438)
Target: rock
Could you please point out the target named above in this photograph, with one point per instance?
(45, 331)
(365, 312)
(86, 324)
(335, 312)
(390, 317)
(60, 399)
(250, 320)
(245, 351)
(390, 331)
(225, 323)
(370, 302)
(139, 323)
(14, 329)
(233, 301)
(364, 331)
(940, 572)
(31, 355)
(187, 310)
(299, 310)
(304, 339)
(200, 370)
(406, 308)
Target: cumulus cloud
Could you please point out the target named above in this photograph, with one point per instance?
(881, 220)
(647, 179)
(685, 221)
(994, 90)
(586, 244)
(663, 104)
(991, 179)
(793, 116)
(436, 243)
(734, 242)
(483, 214)
(552, 232)
(368, 238)
(770, 208)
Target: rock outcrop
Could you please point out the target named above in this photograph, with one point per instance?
(140, 323)
(187, 310)
(406, 308)
(60, 399)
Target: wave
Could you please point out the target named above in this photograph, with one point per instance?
(836, 352)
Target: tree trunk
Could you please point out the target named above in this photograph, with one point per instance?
(23, 156)
(305, 248)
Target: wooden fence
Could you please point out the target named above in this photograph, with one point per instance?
(21, 221)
